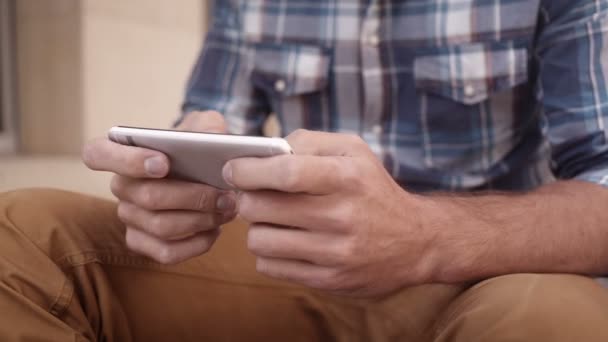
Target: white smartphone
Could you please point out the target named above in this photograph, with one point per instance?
(199, 157)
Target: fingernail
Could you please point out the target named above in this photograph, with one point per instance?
(225, 203)
(155, 166)
(227, 173)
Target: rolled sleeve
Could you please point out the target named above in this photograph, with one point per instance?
(221, 76)
(572, 53)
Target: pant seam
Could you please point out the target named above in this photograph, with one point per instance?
(63, 299)
(122, 259)
(104, 257)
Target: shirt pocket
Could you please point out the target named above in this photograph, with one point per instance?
(464, 93)
(294, 78)
(470, 73)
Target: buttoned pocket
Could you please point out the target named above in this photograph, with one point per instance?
(470, 73)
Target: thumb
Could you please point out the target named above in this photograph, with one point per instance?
(206, 122)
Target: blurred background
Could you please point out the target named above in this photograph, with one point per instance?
(71, 69)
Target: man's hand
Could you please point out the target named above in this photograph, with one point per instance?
(167, 220)
(331, 217)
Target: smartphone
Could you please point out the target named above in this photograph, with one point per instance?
(199, 157)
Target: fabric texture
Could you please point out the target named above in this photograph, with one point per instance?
(451, 95)
(66, 275)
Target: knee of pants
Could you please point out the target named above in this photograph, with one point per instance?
(528, 307)
(59, 223)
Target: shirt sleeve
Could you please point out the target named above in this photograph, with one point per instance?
(220, 79)
(572, 53)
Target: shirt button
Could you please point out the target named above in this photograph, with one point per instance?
(280, 86)
(373, 40)
(469, 90)
(377, 129)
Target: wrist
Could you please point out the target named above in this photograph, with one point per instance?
(427, 235)
(448, 254)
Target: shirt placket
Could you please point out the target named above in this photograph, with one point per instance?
(371, 121)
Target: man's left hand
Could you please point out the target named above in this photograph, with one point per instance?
(330, 217)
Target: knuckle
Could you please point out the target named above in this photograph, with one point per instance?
(342, 216)
(207, 242)
(297, 137)
(116, 185)
(329, 280)
(131, 241)
(344, 253)
(147, 197)
(267, 267)
(157, 227)
(123, 211)
(254, 241)
(350, 175)
(205, 223)
(167, 255)
(291, 176)
(262, 266)
(203, 200)
(246, 206)
(298, 134)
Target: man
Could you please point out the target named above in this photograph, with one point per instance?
(461, 197)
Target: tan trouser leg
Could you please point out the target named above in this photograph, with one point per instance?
(528, 307)
(66, 275)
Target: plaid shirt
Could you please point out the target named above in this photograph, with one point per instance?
(450, 94)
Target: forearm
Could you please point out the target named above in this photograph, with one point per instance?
(559, 228)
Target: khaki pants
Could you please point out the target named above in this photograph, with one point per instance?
(65, 275)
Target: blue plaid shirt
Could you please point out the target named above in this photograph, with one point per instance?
(450, 94)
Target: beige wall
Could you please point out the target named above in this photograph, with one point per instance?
(49, 75)
(137, 57)
(86, 65)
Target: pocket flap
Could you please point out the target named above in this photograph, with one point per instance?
(470, 73)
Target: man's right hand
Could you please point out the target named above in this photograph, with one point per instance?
(167, 220)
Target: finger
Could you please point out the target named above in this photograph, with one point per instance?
(287, 173)
(170, 194)
(207, 121)
(169, 224)
(325, 144)
(104, 155)
(291, 243)
(170, 252)
(310, 212)
(311, 275)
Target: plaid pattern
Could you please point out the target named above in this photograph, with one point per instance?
(450, 94)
